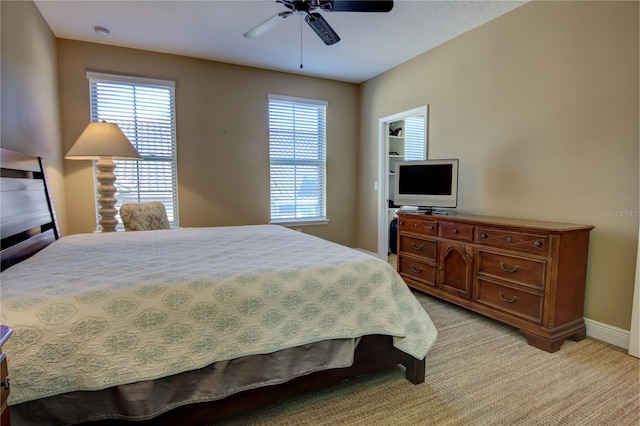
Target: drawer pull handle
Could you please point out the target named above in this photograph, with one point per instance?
(483, 236)
(513, 299)
(455, 231)
(415, 225)
(509, 239)
(5, 384)
(504, 268)
(537, 243)
(415, 247)
(431, 227)
(416, 270)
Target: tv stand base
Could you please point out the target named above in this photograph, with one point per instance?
(421, 210)
(428, 211)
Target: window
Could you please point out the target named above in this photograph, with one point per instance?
(414, 146)
(145, 111)
(297, 153)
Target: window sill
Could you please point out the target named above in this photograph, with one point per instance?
(300, 222)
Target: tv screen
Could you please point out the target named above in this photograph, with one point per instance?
(427, 183)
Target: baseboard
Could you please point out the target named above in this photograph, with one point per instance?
(607, 333)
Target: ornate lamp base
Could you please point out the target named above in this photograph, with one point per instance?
(107, 191)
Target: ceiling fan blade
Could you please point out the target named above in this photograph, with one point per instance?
(322, 28)
(267, 25)
(356, 5)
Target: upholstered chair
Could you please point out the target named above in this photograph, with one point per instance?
(144, 216)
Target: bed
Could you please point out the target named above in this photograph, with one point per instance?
(190, 324)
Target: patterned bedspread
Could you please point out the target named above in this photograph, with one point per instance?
(97, 310)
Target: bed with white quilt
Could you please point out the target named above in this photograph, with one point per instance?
(189, 324)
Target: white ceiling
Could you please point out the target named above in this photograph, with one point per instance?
(372, 43)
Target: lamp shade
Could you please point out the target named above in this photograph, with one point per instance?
(102, 139)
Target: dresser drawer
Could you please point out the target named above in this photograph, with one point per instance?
(418, 226)
(456, 231)
(517, 302)
(4, 373)
(512, 240)
(418, 247)
(529, 272)
(5, 332)
(418, 271)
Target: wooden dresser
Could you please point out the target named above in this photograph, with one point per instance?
(529, 274)
(5, 420)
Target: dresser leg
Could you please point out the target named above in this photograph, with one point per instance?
(5, 419)
(580, 335)
(553, 344)
(548, 345)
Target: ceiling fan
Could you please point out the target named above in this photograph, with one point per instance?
(315, 20)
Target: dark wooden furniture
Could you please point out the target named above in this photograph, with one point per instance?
(26, 210)
(529, 274)
(5, 419)
(28, 224)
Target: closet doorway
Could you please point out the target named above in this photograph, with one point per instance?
(401, 137)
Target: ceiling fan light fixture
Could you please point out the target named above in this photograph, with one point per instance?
(322, 28)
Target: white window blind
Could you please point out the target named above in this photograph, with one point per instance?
(297, 152)
(414, 138)
(145, 111)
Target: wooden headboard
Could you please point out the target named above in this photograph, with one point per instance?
(27, 217)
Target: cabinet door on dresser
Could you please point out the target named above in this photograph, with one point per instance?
(455, 268)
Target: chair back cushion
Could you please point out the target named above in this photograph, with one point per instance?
(144, 216)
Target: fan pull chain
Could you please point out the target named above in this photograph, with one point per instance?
(301, 42)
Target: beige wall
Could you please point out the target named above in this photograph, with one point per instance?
(541, 107)
(30, 120)
(222, 136)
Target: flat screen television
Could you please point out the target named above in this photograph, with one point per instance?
(426, 184)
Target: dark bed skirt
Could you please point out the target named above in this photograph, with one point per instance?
(222, 389)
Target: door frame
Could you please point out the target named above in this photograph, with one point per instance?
(634, 334)
(383, 170)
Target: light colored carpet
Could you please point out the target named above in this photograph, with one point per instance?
(480, 372)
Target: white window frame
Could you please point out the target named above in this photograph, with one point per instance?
(133, 129)
(315, 159)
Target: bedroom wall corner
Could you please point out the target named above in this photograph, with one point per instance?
(30, 118)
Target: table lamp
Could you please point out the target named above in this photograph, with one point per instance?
(104, 142)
